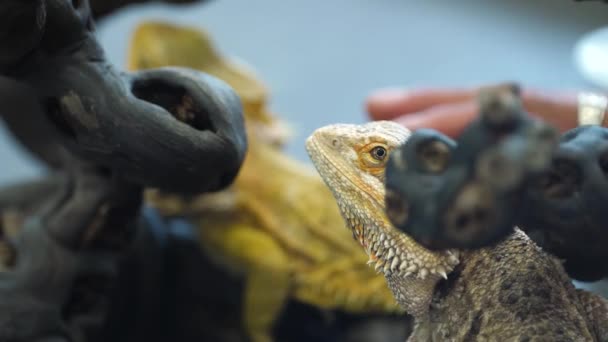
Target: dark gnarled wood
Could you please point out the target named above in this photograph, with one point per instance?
(107, 134)
(172, 128)
(476, 184)
(566, 206)
(102, 8)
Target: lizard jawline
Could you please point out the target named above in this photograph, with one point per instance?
(391, 252)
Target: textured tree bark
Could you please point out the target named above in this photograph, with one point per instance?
(64, 243)
(172, 128)
(566, 207)
(477, 183)
(107, 134)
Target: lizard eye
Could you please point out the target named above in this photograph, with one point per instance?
(379, 153)
(374, 156)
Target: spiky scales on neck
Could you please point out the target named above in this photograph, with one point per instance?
(351, 160)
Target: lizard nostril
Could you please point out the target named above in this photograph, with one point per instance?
(334, 143)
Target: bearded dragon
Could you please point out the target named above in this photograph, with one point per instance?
(512, 291)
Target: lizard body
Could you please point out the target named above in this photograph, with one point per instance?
(274, 225)
(512, 291)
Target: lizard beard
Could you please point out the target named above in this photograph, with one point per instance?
(410, 270)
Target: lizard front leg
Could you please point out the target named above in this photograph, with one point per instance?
(347, 284)
(266, 268)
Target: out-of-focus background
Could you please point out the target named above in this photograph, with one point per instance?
(321, 58)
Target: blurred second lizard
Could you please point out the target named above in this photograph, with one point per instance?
(278, 224)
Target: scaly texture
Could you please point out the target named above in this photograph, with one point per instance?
(510, 292)
(351, 160)
(278, 224)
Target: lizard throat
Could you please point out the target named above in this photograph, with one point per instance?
(393, 253)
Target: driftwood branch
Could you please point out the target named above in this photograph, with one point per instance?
(506, 170)
(106, 134)
(171, 128)
(477, 183)
(52, 264)
(566, 206)
(102, 8)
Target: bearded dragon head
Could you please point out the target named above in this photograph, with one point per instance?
(351, 159)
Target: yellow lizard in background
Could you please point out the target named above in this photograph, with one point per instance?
(277, 225)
